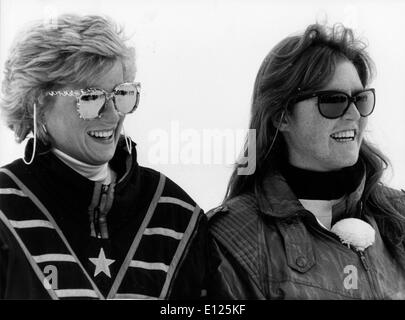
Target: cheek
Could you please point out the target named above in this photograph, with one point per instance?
(63, 121)
(315, 138)
(363, 125)
(120, 123)
(309, 130)
(314, 132)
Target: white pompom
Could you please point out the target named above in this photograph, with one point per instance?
(354, 232)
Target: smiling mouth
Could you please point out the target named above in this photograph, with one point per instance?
(101, 134)
(344, 136)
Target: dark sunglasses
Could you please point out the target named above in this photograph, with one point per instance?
(91, 102)
(334, 104)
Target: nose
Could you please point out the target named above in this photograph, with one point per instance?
(352, 113)
(109, 111)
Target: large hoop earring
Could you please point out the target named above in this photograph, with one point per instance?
(127, 141)
(35, 138)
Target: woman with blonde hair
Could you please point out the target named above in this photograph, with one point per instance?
(79, 218)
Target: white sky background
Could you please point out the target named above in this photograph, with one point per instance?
(197, 61)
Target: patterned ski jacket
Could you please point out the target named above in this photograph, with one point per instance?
(264, 256)
(53, 242)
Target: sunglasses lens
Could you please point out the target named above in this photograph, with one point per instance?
(126, 97)
(91, 104)
(365, 102)
(332, 105)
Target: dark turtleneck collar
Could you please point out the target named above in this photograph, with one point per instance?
(315, 185)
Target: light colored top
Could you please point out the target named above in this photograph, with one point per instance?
(321, 209)
(98, 173)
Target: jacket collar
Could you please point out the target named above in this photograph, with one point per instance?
(280, 202)
(120, 157)
(75, 185)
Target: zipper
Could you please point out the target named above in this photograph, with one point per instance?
(361, 255)
(363, 260)
(366, 266)
(361, 209)
(96, 216)
(97, 210)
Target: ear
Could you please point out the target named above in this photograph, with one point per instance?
(281, 121)
(41, 98)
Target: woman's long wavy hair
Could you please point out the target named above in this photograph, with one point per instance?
(302, 64)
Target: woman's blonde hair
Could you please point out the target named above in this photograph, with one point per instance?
(71, 50)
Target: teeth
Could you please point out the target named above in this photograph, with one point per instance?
(348, 134)
(101, 134)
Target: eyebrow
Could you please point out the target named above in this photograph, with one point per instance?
(89, 86)
(353, 92)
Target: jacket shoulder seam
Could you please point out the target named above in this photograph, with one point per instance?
(236, 230)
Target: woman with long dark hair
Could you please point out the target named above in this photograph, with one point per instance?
(314, 220)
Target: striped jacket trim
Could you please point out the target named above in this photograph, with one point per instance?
(153, 230)
(133, 296)
(27, 224)
(176, 201)
(145, 232)
(163, 232)
(29, 257)
(46, 213)
(179, 251)
(69, 293)
(135, 243)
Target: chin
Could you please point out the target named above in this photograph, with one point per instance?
(346, 162)
(104, 154)
(101, 158)
(107, 158)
